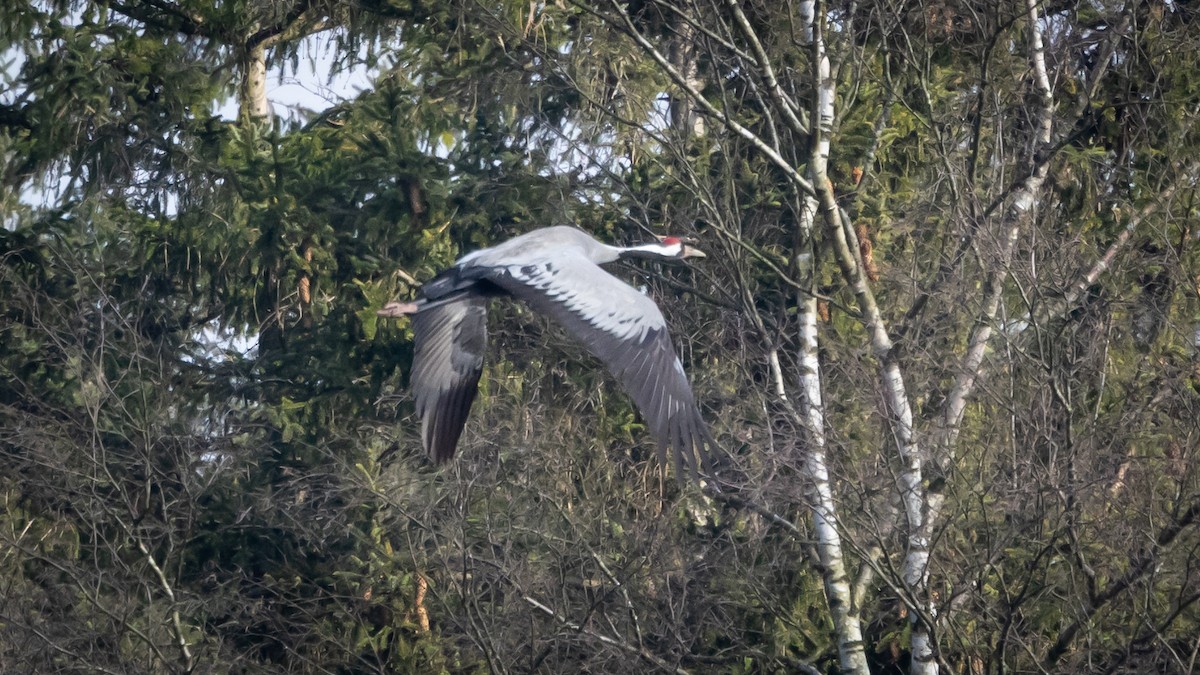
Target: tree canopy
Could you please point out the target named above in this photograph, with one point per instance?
(947, 334)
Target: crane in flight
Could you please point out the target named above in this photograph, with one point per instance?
(556, 271)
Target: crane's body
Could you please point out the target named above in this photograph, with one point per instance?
(556, 271)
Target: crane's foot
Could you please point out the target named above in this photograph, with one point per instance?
(394, 309)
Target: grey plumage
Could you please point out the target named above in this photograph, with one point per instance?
(450, 342)
(555, 271)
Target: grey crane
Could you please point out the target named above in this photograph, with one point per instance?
(556, 270)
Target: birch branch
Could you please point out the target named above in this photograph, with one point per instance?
(680, 81)
(1102, 265)
(185, 650)
(1142, 566)
(1018, 214)
(704, 30)
(1016, 217)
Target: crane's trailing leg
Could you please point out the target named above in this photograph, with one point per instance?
(396, 309)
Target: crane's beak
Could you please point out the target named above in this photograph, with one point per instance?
(395, 309)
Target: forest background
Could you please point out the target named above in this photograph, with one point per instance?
(948, 334)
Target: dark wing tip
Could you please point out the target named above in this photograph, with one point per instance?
(693, 448)
(450, 341)
(446, 420)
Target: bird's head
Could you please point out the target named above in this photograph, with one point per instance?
(679, 247)
(665, 249)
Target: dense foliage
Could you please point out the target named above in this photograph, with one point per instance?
(208, 461)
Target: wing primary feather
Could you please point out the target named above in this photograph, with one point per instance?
(660, 446)
(450, 338)
(450, 425)
(444, 413)
(687, 440)
(685, 448)
(695, 444)
(677, 446)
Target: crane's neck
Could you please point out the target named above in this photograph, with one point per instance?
(655, 251)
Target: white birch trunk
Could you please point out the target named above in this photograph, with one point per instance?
(898, 410)
(898, 407)
(1016, 217)
(847, 621)
(846, 618)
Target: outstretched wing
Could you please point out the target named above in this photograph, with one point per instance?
(450, 339)
(626, 330)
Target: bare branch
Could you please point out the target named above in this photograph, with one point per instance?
(783, 102)
(640, 651)
(680, 81)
